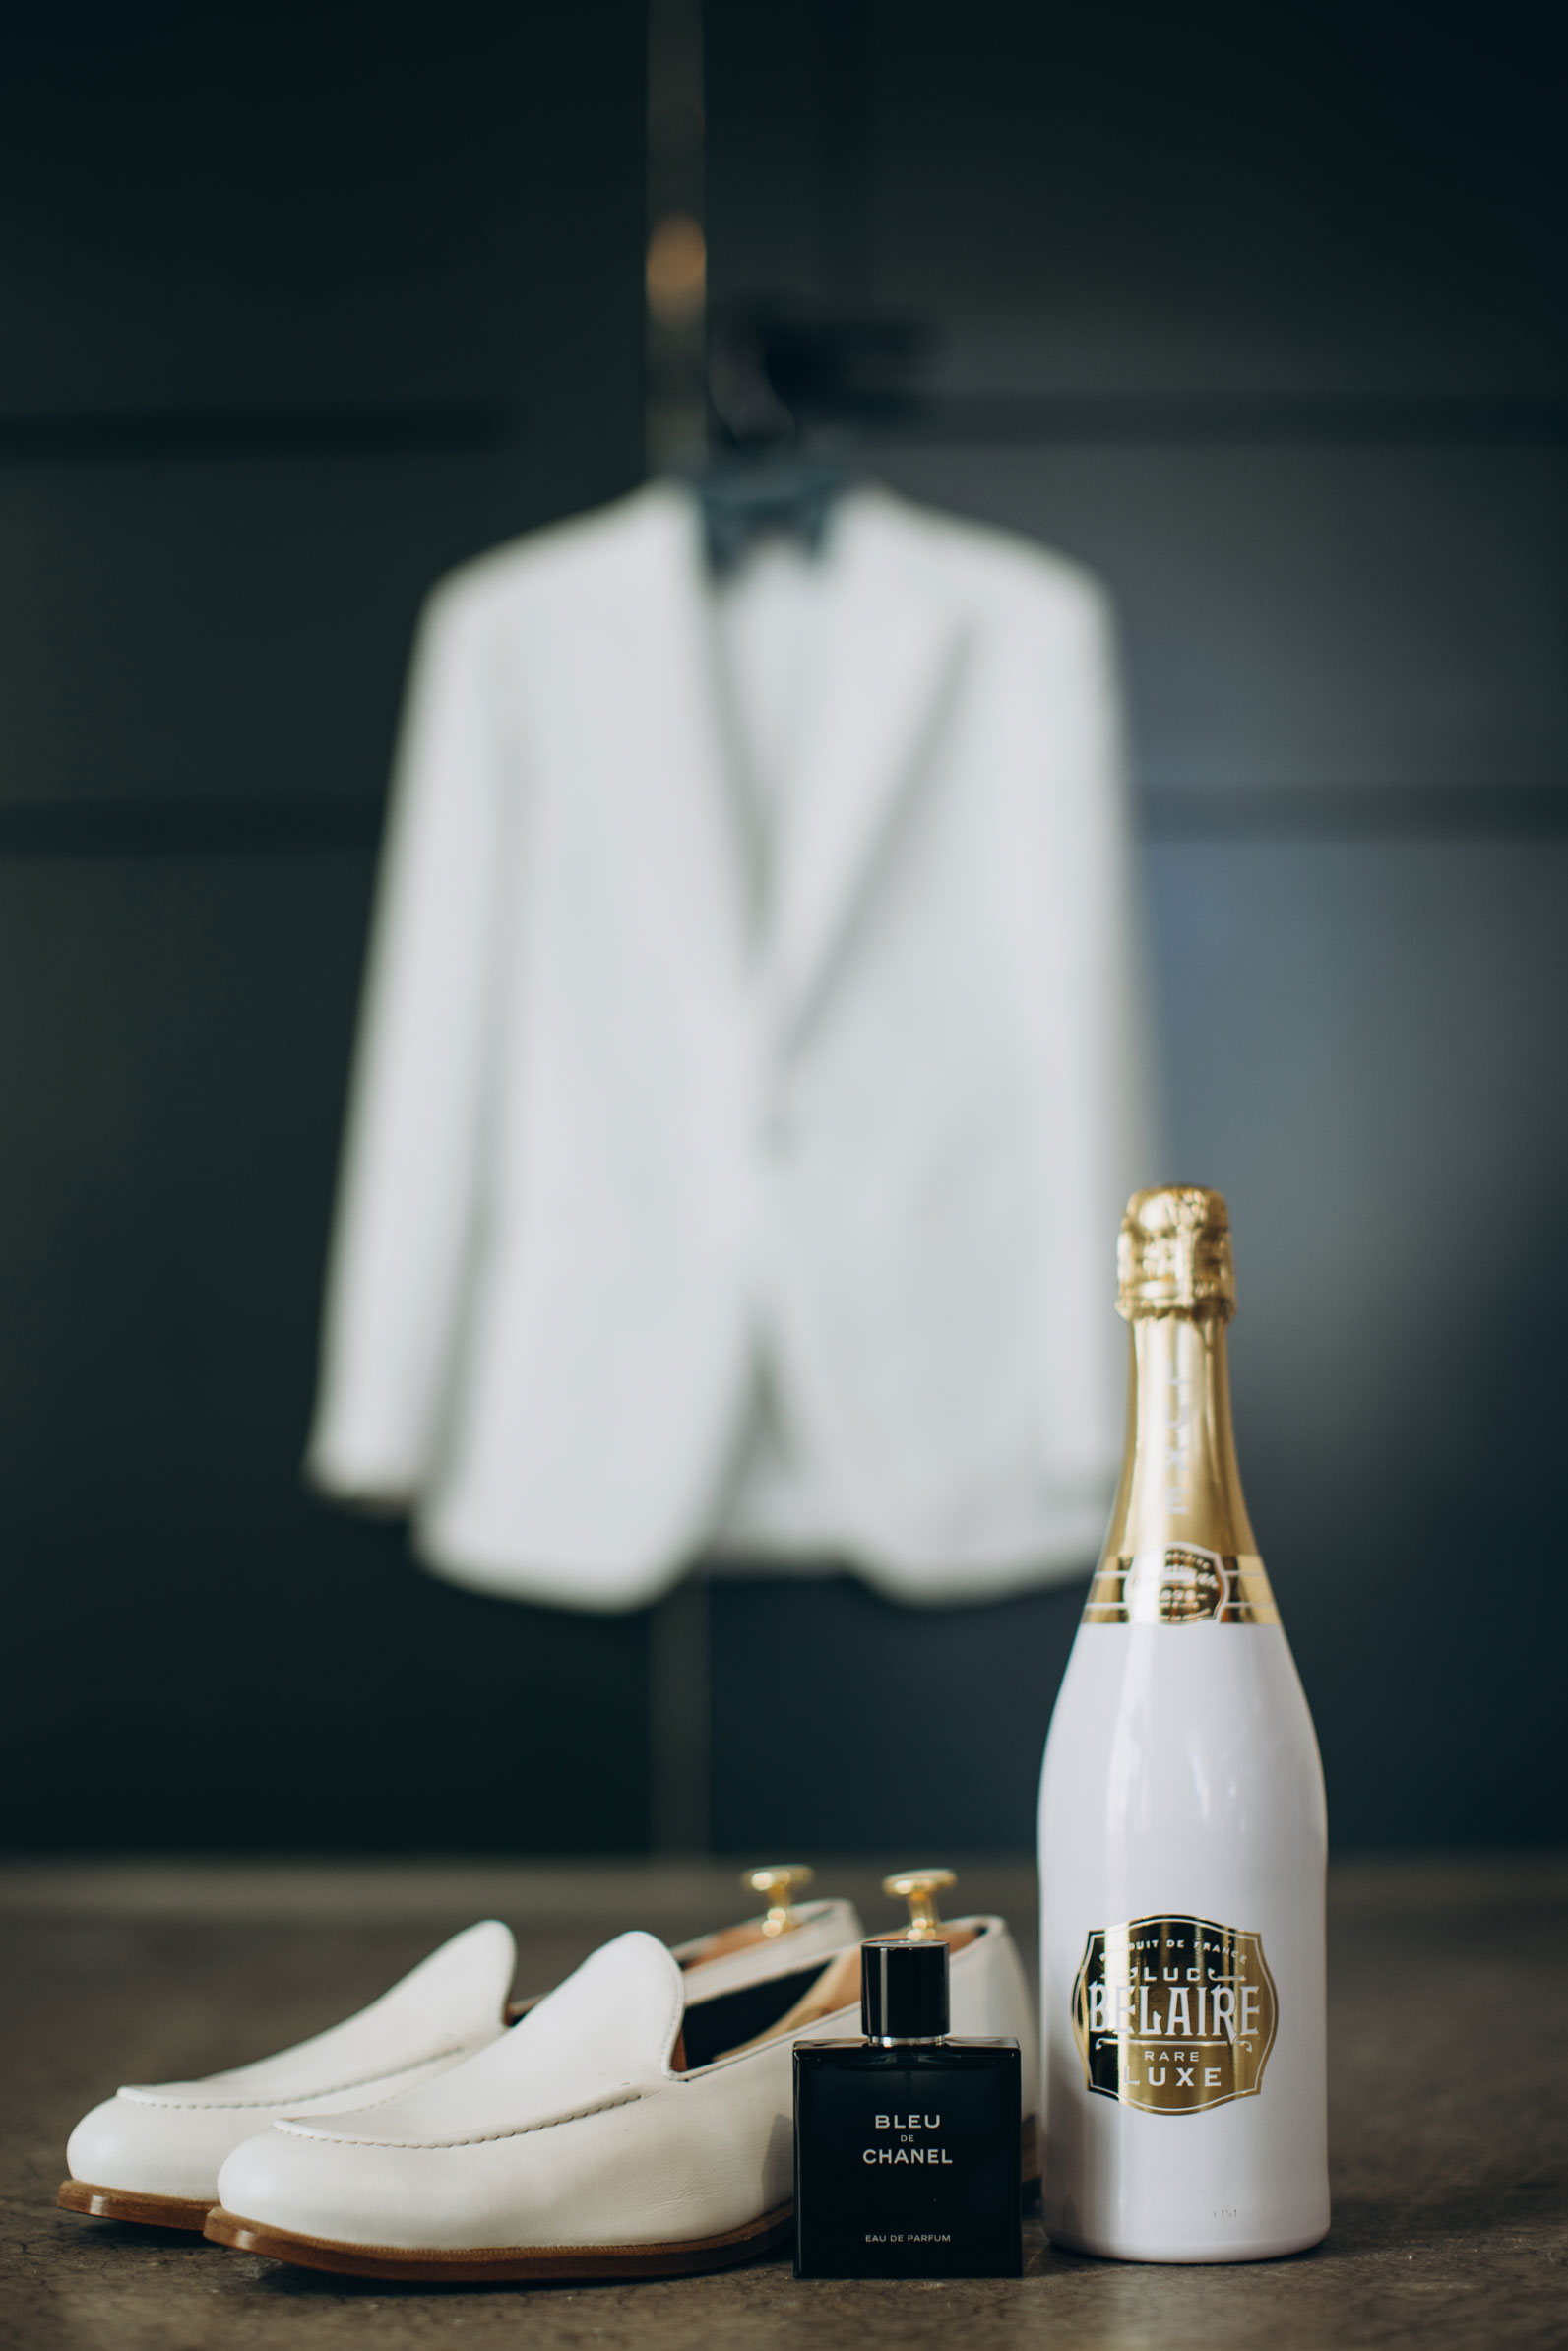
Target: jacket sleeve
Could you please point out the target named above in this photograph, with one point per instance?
(408, 1182)
(1103, 1127)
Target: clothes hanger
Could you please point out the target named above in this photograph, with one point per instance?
(784, 389)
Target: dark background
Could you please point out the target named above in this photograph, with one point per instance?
(1260, 313)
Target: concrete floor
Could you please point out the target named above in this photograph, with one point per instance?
(1449, 2021)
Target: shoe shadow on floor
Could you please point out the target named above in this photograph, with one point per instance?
(97, 2239)
(278, 2281)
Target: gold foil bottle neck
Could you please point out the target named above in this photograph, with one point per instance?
(1173, 1254)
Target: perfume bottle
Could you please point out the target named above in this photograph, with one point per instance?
(1182, 1829)
(906, 2143)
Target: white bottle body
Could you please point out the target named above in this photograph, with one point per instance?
(1182, 1781)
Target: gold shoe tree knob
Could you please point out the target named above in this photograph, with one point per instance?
(919, 1888)
(778, 1882)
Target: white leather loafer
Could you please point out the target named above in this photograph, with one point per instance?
(631, 2126)
(153, 2153)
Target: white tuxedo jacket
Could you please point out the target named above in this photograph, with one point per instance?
(612, 1145)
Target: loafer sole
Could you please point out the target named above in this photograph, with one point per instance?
(503, 2264)
(516, 2264)
(126, 2204)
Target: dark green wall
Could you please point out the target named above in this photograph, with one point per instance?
(1258, 316)
(298, 307)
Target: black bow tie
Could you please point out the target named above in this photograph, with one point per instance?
(777, 498)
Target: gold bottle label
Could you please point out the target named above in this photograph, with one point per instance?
(1174, 2015)
(1183, 1584)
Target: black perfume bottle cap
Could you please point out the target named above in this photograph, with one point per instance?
(903, 1989)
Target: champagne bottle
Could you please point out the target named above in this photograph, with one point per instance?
(1182, 1831)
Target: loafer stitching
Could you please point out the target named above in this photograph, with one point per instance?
(135, 2095)
(482, 2139)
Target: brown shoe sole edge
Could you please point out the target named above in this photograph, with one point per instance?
(499, 2265)
(124, 2203)
(503, 2264)
(191, 2213)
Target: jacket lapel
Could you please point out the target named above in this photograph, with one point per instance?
(663, 692)
(887, 647)
(888, 642)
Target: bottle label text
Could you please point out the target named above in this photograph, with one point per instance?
(1174, 2014)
